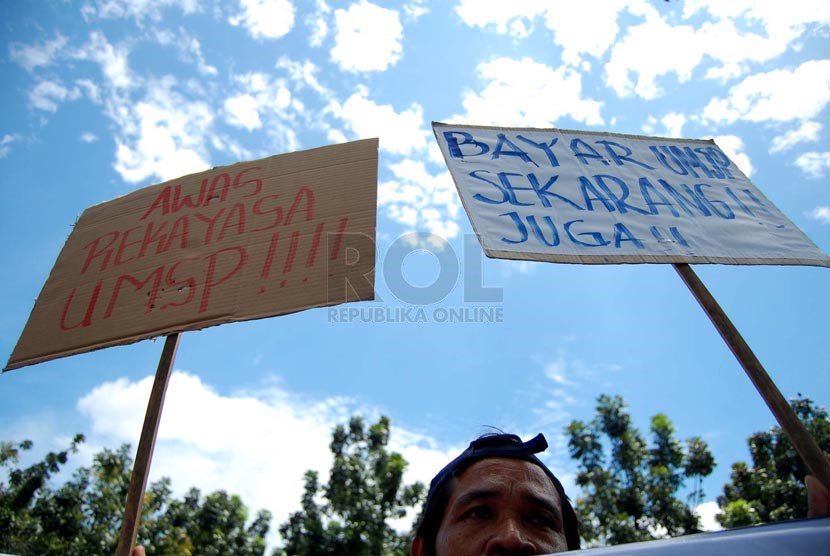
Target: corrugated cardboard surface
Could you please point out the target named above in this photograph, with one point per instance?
(240, 242)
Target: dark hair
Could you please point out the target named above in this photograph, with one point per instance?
(499, 445)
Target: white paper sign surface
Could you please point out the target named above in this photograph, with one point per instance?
(601, 198)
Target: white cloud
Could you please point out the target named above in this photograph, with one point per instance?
(138, 9)
(368, 37)
(415, 9)
(807, 133)
(582, 28)
(554, 409)
(515, 18)
(47, 95)
(162, 135)
(733, 147)
(671, 125)
(674, 123)
(554, 400)
(263, 102)
(265, 19)
(6, 143)
(779, 95)
(579, 28)
(163, 129)
(814, 164)
(31, 57)
(238, 442)
(190, 49)
(650, 50)
(660, 42)
(90, 88)
(510, 268)
(781, 21)
(160, 130)
(738, 34)
(707, 512)
(113, 60)
(822, 214)
(318, 23)
(425, 456)
(556, 371)
(212, 441)
(420, 200)
(303, 74)
(527, 93)
(243, 111)
(569, 371)
(88, 137)
(399, 132)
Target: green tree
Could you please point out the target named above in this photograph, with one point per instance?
(628, 487)
(351, 514)
(772, 488)
(83, 515)
(19, 520)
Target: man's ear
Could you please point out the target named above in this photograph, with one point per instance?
(417, 547)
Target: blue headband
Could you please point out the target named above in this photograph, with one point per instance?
(494, 446)
(480, 449)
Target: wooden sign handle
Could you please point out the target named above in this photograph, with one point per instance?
(144, 454)
(802, 440)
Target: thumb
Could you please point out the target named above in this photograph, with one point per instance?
(138, 551)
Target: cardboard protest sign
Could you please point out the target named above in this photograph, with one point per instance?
(601, 198)
(240, 242)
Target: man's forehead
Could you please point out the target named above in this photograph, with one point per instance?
(507, 472)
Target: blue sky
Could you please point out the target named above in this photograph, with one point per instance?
(103, 97)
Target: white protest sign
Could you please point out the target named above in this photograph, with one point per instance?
(601, 198)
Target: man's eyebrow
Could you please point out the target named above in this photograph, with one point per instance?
(487, 493)
(475, 495)
(544, 502)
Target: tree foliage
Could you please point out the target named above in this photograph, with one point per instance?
(629, 488)
(351, 514)
(772, 488)
(83, 515)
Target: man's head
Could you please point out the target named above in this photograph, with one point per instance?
(496, 497)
